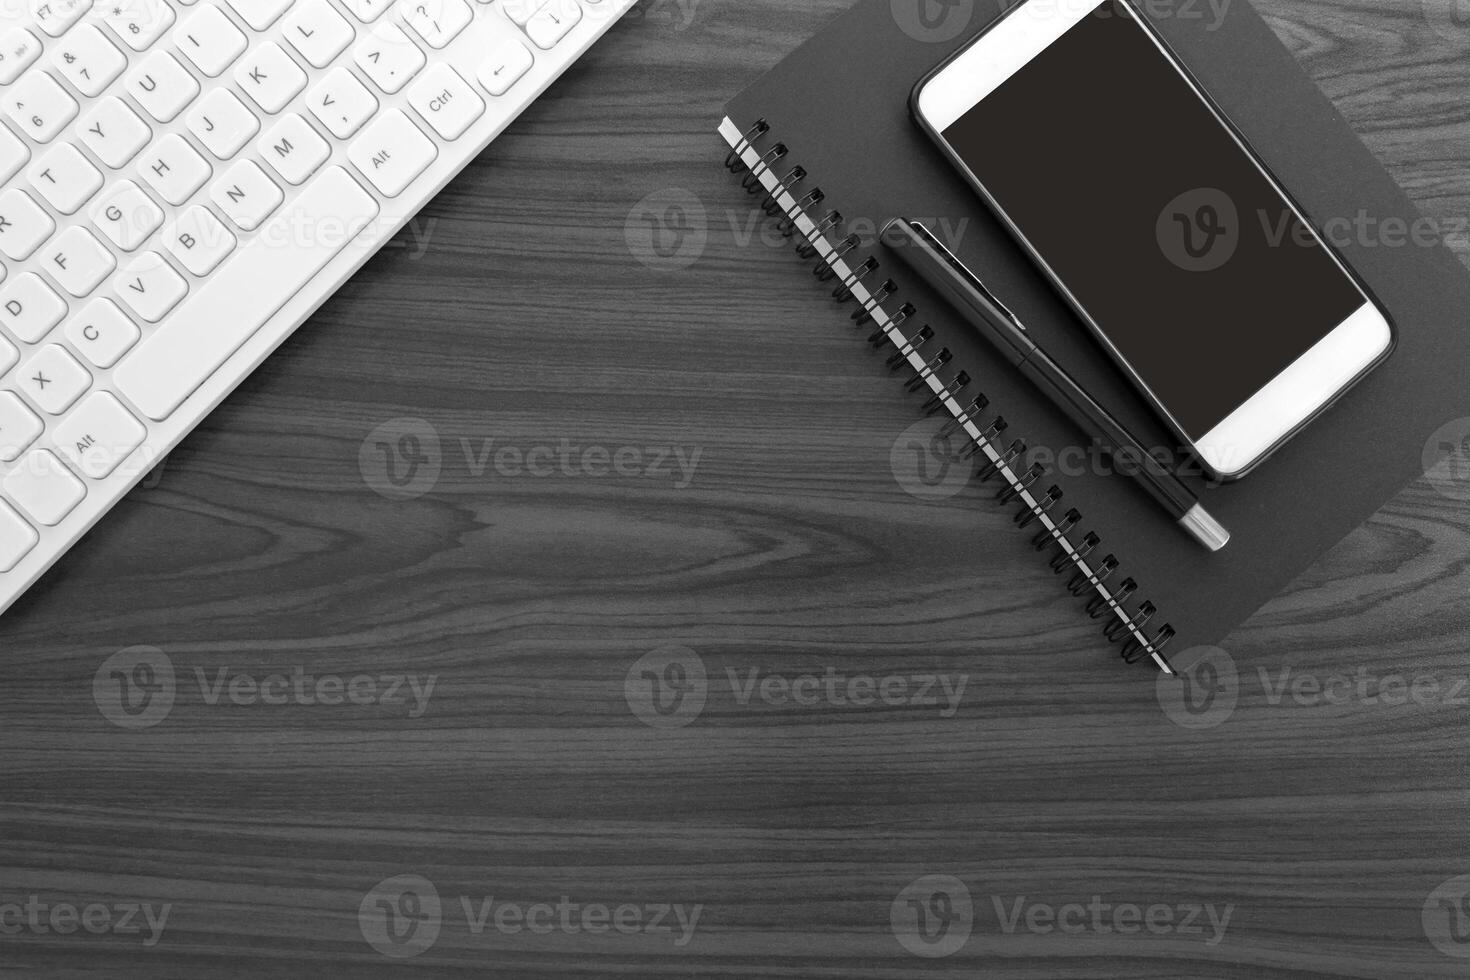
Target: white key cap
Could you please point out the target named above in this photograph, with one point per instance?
(222, 123)
(17, 538)
(389, 58)
(270, 77)
(102, 333)
(260, 14)
(55, 16)
(23, 224)
(44, 488)
(368, 11)
(99, 435)
(78, 261)
(246, 195)
(30, 308)
(151, 287)
(114, 132)
(53, 379)
(507, 64)
(521, 11)
(19, 426)
(436, 21)
(162, 85)
(341, 102)
(8, 355)
(391, 152)
(168, 366)
(553, 22)
(174, 169)
(126, 215)
(317, 31)
(18, 49)
(445, 101)
(138, 22)
(293, 149)
(88, 60)
(199, 240)
(65, 178)
(39, 106)
(208, 39)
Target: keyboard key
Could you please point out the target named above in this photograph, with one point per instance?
(174, 169)
(317, 31)
(24, 225)
(151, 287)
(293, 149)
(114, 132)
(341, 102)
(507, 64)
(55, 16)
(30, 308)
(260, 14)
(389, 58)
(17, 538)
(99, 435)
(78, 261)
(53, 379)
(18, 50)
(553, 22)
(391, 152)
(161, 85)
(270, 77)
(168, 366)
(246, 195)
(13, 154)
(445, 101)
(43, 488)
(102, 333)
(436, 21)
(65, 178)
(39, 106)
(199, 240)
(126, 215)
(138, 22)
(19, 426)
(8, 355)
(88, 60)
(208, 39)
(222, 123)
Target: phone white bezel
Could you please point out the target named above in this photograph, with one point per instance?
(1273, 414)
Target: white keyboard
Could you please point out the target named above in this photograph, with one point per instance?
(183, 182)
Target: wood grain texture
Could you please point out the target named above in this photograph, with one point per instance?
(514, 313)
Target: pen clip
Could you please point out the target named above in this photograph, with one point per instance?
(964, 271)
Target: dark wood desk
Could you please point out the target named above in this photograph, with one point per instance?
(537, 585)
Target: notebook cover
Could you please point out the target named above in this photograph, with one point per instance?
(840, 103)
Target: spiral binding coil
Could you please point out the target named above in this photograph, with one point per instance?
(790, 198)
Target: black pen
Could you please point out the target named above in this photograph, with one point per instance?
(939, 267)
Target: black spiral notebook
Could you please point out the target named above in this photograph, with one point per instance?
(826, 142)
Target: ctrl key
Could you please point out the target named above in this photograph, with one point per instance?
(43, 488)
(17, 538)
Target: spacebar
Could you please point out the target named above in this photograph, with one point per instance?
(240, 296)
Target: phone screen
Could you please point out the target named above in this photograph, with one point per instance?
(1164, 229)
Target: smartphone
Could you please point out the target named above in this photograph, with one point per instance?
(1158, 223)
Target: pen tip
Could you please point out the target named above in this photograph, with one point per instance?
(1208, 531)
